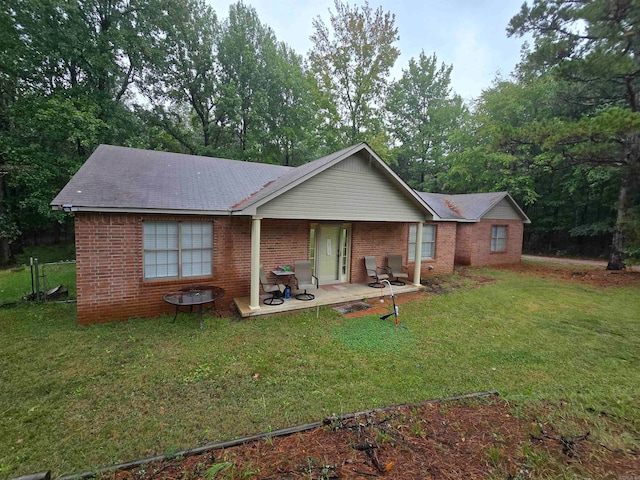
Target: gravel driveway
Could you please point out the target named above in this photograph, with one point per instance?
(566, 261)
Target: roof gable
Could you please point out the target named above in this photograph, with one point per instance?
(471, 207)
(305, 172)
(121, 179)
(352, 189)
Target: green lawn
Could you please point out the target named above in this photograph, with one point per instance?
(15, 283)
(76, 398)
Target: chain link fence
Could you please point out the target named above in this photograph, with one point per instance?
(53, 281)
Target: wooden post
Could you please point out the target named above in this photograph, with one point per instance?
(254, 302)
(418, 262)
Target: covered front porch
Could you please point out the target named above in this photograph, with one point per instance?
(325, 295)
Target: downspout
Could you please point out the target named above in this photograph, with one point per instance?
(254, 302)
(418, 263)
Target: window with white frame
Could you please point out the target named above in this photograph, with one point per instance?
(498, 238)
(177, 249)
(428, 242)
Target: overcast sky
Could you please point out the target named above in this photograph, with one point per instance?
(468, 34)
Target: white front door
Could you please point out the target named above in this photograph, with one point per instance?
(332, 254)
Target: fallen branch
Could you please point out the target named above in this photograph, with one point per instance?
(568, 443)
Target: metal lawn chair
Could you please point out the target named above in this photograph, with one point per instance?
(304, 279)
(274, 289)
(396, 270)
(373, 271)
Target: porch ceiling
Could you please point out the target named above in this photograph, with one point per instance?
(325, 295)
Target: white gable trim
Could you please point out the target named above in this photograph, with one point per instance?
(251, 208)
(514, 205)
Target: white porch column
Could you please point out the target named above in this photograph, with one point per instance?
(418, 262)
(254, 302)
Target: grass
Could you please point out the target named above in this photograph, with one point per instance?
(77, 398)
(16, 282)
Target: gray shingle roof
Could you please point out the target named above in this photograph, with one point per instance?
(133, 179)
(467, 206)
(128, 179)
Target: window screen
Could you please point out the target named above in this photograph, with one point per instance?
(428, 242)
(177, 249)
(498, 238)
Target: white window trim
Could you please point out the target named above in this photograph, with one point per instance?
(180, 250)
(412, 240)
(495, 237)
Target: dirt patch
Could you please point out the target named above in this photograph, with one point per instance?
(435, 285)
(352, 307)
(384, 305)
(458, 439)
(597, 277)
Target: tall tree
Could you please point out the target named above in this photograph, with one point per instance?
(67, 69)
(493, 149)
(504, 147)
(290, 117)
(351, 62)
(181, 70)
(423, 115)
(594, 45)
(245, 53)
(11, 50)
(264, 93)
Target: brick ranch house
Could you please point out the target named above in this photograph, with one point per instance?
(148, 222)
(489, 226)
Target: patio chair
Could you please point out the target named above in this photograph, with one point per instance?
(374, 272)
(304, 279)
(395, 269)
(275, 289)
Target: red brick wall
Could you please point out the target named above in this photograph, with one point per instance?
(380, 239)
(445, 251)
(282, 242)
(109, 266)
(473, 245)
(465, 244)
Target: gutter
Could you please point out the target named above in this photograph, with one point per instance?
(68, 207)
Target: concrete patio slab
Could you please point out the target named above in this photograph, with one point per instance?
(325, 295)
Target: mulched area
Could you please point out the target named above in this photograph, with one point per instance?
(462, 439)
(471, 439)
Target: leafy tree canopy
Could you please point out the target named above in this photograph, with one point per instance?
(351, 61)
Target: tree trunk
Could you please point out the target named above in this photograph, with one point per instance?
(630, 184)
(5, 249)
(616, 256)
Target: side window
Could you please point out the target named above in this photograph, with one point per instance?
(498, 238)
(177, 249)
(312, 248)
(161, 249)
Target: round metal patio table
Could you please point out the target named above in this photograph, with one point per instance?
(202, 298)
